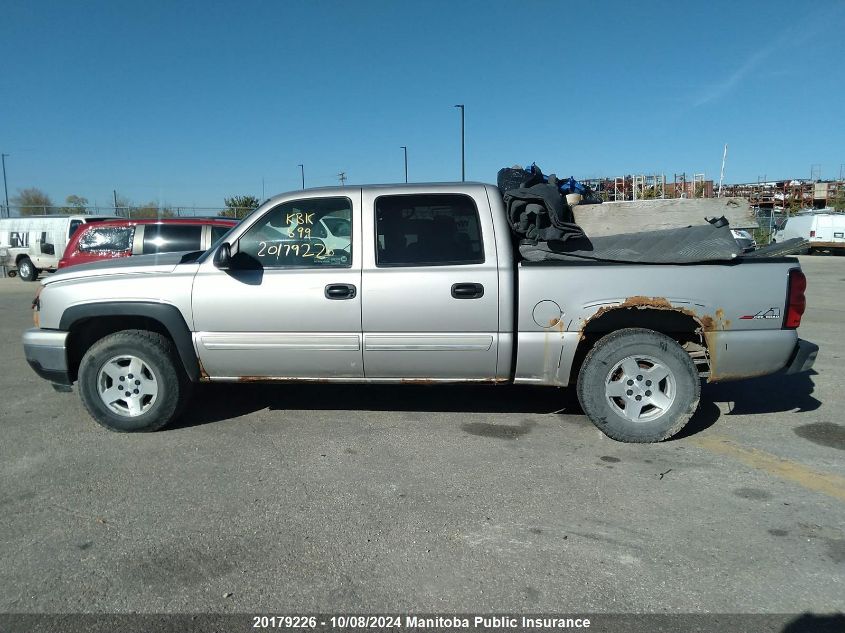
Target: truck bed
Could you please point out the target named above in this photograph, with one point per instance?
(735, 310)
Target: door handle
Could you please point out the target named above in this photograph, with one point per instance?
(340, 291)
(467, 291)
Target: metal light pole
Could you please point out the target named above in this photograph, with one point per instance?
(406, 163)
(463, 162)
(5, 187)
(722, 172)
(302, 172)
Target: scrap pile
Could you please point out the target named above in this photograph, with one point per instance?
(544, 226)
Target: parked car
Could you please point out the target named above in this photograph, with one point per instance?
(745, 240)
(429, 290)
(123, 238)
(823, 231)
(34, 243)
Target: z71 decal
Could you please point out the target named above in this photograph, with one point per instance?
(771, 313)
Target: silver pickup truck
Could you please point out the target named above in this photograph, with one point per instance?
(412, 284)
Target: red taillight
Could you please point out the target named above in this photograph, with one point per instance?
(62, 262)
(796, 302)
(812, 233)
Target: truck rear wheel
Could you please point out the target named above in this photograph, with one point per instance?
(27, 270)
(637, 385)
(133, 381)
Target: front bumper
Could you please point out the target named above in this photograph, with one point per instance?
(803, 357)
(46, 353)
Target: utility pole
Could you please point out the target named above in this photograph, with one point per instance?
(406, 163)
(114, 197)
(463, 158)
(302, 173)
(722, 173)
(342, 177)
(5, 187)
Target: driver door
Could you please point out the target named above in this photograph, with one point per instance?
(288, 306)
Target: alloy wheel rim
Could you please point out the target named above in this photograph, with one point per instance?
(127, 386)
(640, 388)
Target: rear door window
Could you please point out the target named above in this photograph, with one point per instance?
(169, 238)
(427, 230)
(106, 239)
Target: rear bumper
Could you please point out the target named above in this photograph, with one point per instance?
(46, 353)
(803, 357)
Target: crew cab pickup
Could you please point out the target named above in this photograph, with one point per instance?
(419, 284)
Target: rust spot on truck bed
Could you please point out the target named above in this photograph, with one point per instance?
(639, 302)
(707, 324)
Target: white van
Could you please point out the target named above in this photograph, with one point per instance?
(34, 243)
(823, 231)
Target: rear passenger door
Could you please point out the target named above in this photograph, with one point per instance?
(430, 287)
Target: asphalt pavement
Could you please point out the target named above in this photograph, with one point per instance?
(321, 498)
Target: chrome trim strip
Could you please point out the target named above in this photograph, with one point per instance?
(428, 342)
(276, 341)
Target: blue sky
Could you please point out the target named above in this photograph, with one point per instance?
(187, 102)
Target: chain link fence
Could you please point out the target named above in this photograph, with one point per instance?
(133, 212)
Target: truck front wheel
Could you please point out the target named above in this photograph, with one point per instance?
(637, 385)
(133, 381)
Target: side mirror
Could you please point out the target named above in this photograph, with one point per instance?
(223, 256)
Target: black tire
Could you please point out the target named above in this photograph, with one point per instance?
(159, 356)
(601, 374)
(27, 270)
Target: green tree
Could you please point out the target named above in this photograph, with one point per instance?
(150, 210)
(239, 206)
(75, 204)
(32, 201)
(123, 207)
(838, 202)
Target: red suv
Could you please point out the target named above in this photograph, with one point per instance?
(123, 238)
